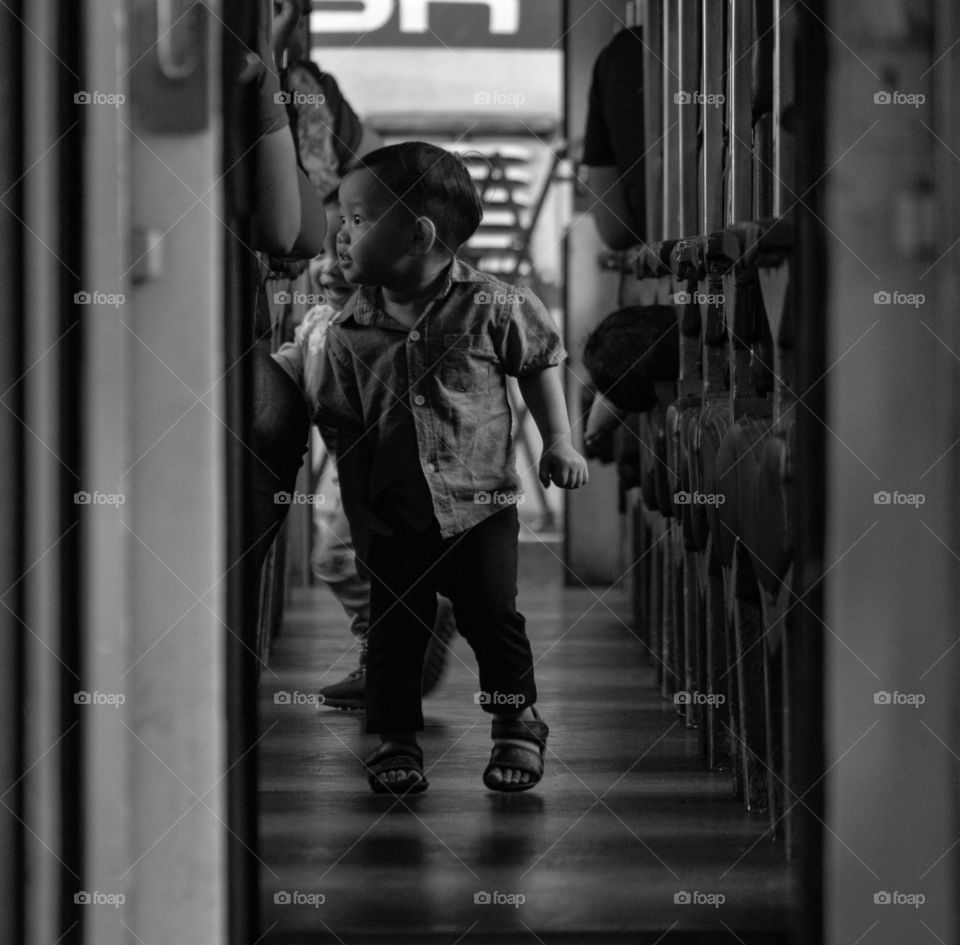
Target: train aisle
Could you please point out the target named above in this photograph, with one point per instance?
(626, 838)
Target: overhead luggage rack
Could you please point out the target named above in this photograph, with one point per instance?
(463, 126)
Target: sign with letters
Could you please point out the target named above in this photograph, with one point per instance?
(520, 24)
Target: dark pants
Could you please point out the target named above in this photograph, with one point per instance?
(477, 570)
(278, 441)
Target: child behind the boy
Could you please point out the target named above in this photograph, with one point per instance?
(333, 559)
(415, 382)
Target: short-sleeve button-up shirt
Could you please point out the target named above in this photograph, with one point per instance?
(430, 402)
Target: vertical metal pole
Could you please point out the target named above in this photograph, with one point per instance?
(739, 151)
(671, 123)
(688, 66)
(809, 480)
(784, 98)
(711, 182)
(653, 117)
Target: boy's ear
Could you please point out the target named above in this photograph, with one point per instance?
(424, 236)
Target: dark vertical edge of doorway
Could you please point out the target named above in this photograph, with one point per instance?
(239, 20)
(70, 182)
(809, 476)
(12, 866)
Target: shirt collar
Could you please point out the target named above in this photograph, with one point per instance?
(363, 306)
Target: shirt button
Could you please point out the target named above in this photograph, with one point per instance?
(414, 335)
(419, 400)
(430, 467)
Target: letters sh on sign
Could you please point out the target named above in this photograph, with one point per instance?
(530, 24)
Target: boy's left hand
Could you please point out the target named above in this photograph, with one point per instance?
(562, 465)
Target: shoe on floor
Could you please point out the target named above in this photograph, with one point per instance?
(435, 658)
(347, 693)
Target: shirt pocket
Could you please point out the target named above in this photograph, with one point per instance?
(466, 363)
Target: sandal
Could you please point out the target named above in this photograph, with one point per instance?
(523, 752)
(407, 758)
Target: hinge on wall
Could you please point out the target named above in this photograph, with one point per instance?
(169, 81)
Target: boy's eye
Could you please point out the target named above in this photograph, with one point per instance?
(356, 219)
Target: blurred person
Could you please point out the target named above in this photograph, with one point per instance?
(329, 136)
(307, 142)
(328, 139)
(288, 219)
(613, 155)
(630, 356)
(334, 559)
(613, 144)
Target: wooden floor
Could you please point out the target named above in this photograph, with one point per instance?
(625, 819)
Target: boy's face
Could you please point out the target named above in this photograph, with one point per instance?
(325, 270)
(375, 230)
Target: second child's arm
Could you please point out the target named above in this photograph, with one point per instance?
(560, 463)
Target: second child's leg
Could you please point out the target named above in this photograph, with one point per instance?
(334, 563)
(278, 439)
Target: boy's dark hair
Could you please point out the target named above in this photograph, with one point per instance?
(632, 349)
(430, 182)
